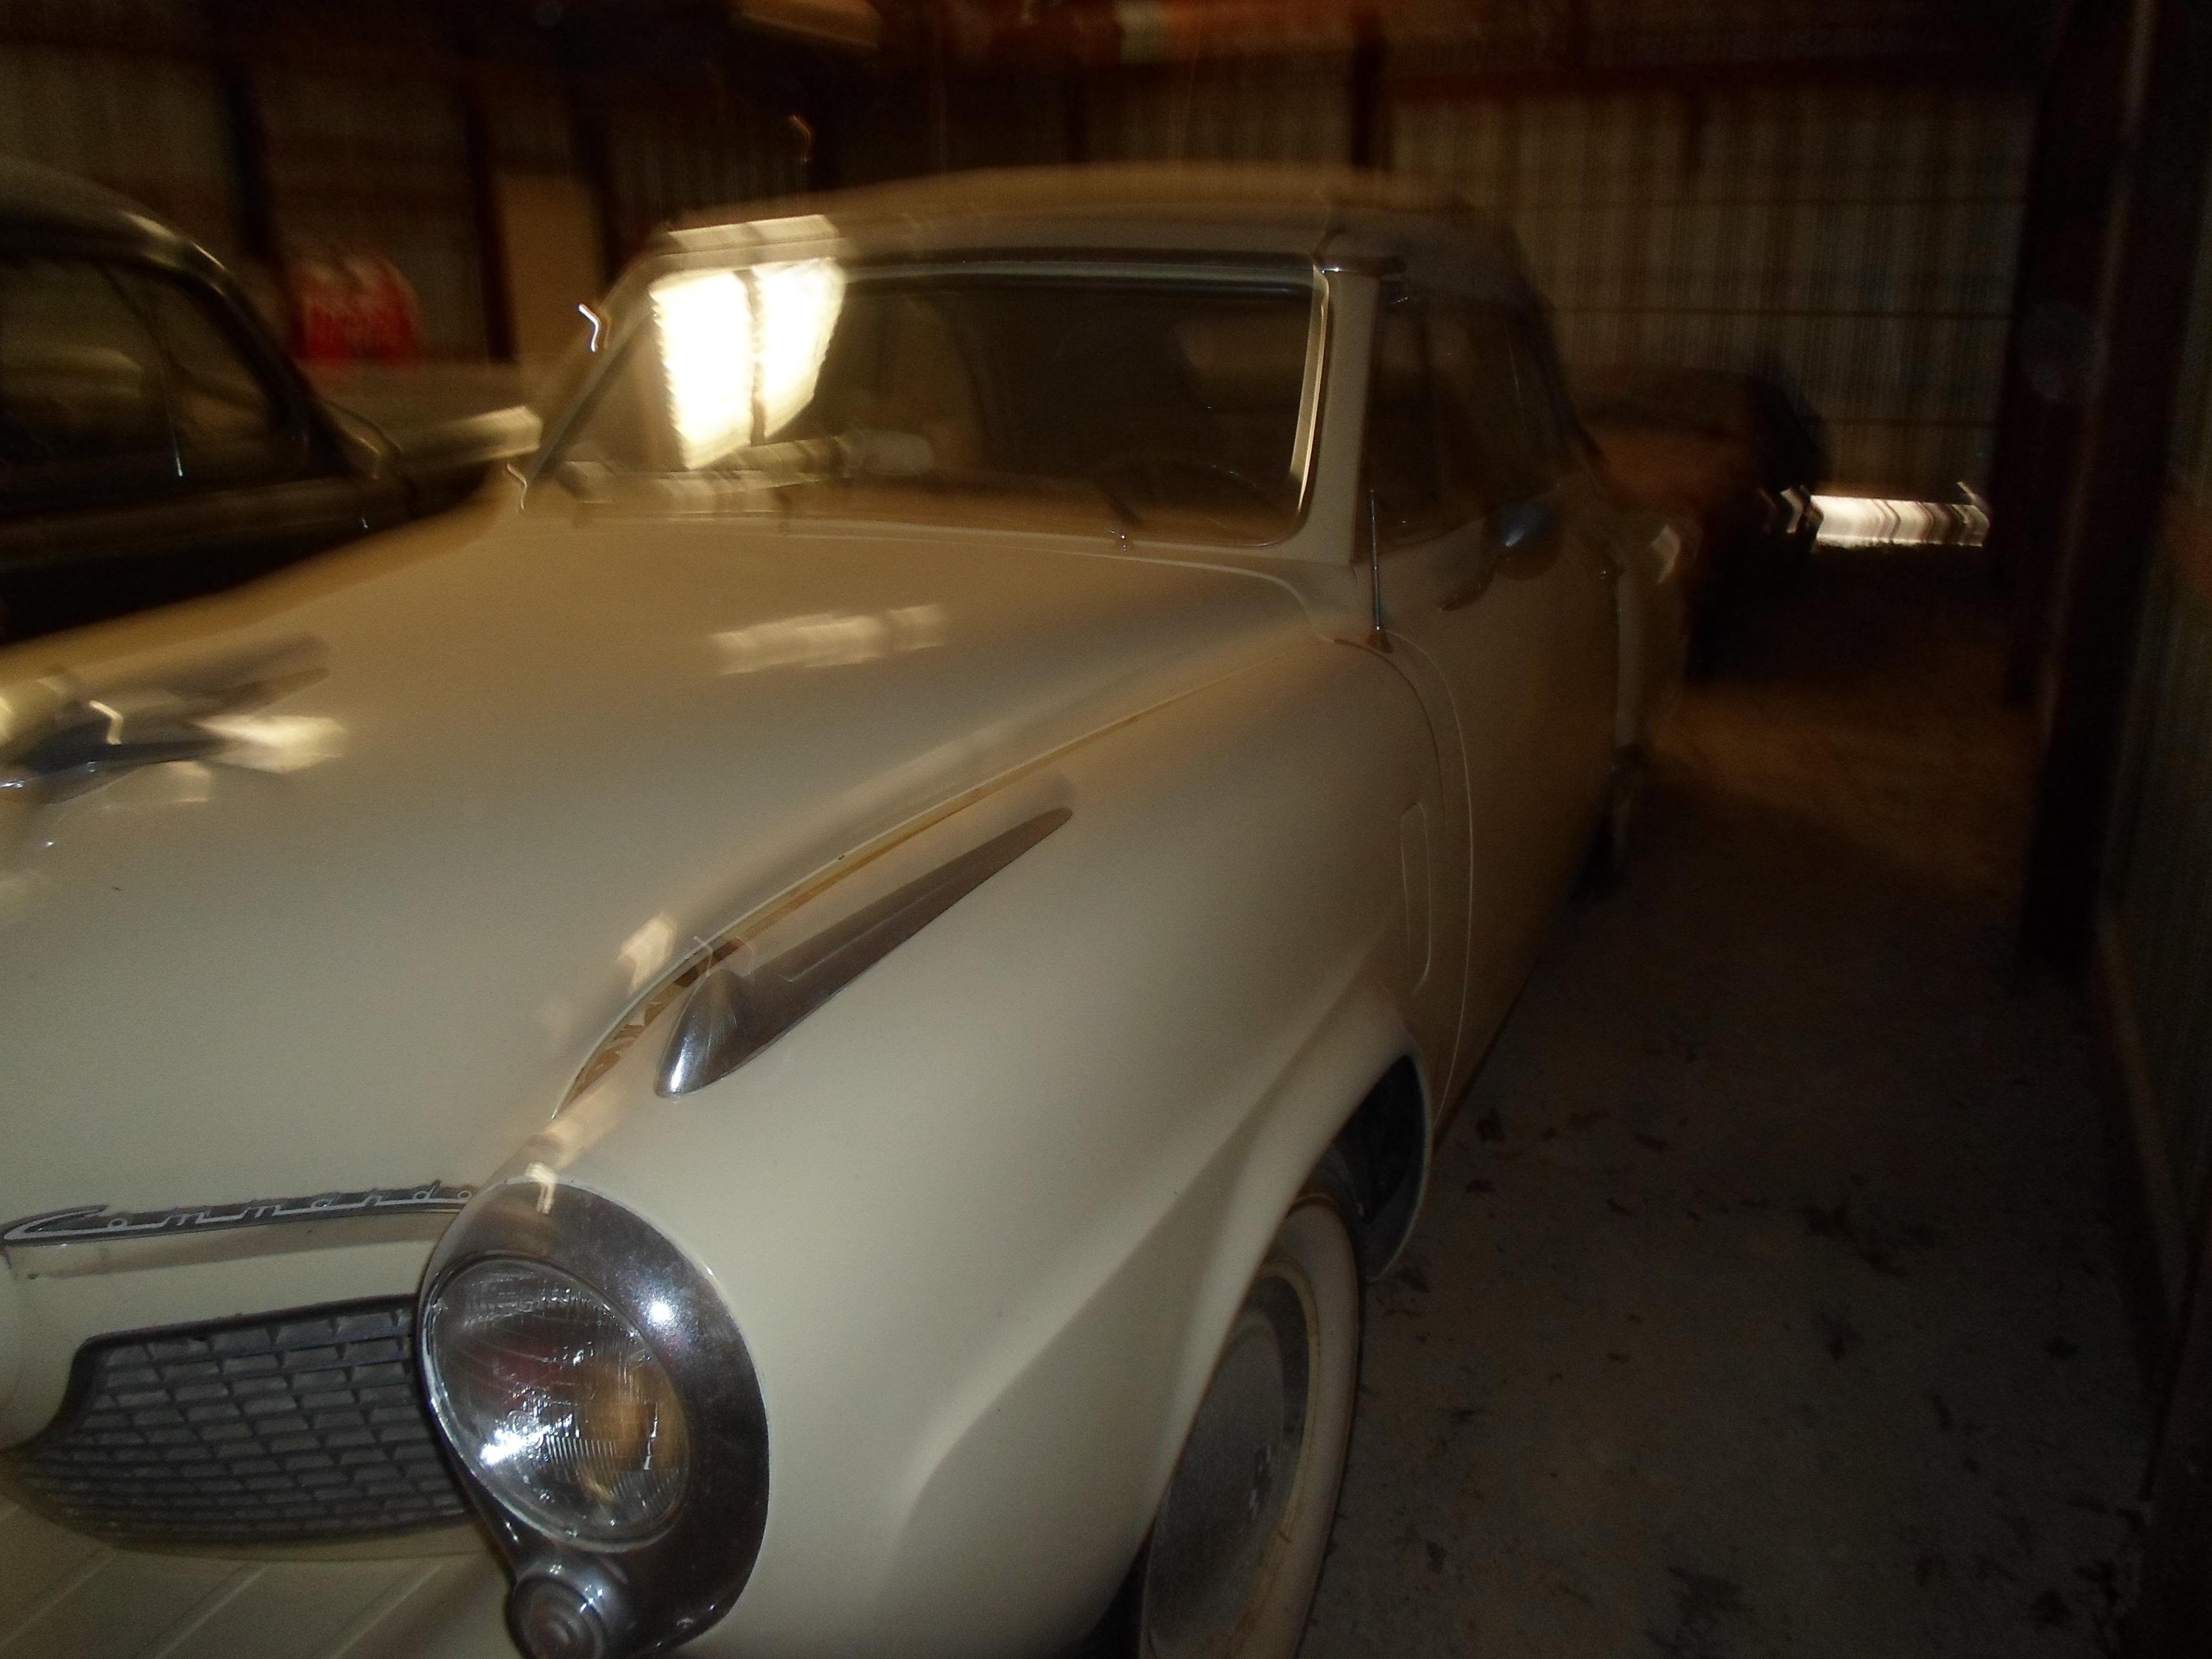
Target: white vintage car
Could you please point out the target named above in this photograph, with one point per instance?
(795, 1036)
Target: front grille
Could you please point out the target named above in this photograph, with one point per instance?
(306, 1425)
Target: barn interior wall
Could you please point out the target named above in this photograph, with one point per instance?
(1860, 235)
(381, 165)
(1862, 240)
(149, 127)
(371, 160)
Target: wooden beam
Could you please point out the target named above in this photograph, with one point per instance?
(2051, 345)
(1370, 113)
(2113, 524)
(1870, 72)
(479, 154)
(591, 154)
(2173, 1611)
(246, 136)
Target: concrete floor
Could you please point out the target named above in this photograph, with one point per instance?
(1765, 1301)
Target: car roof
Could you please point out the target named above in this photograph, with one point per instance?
(1335, 214)
(57, 206)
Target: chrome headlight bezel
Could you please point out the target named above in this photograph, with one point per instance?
(613, 1597)
(500, 1315)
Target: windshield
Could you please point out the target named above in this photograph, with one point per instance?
(1176, 403)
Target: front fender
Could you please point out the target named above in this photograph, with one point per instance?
(1105, 1402)
(985, 1217)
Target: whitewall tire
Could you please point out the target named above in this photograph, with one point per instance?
(1236, 1547)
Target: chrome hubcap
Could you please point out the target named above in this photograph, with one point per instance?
(1219, 1531)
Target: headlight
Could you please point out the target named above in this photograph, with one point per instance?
(593, 1388)
(556, 1402)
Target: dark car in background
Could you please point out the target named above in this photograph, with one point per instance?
(155, 443)
(1736, 454)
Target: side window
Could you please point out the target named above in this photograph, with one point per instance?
(229, 429)
(1544, 401)
(82, 414)
(1404, 469)
(1502, 436)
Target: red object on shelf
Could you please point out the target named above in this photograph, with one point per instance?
(357, 308)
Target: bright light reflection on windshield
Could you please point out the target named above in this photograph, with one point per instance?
(743, 350)
(798, 311)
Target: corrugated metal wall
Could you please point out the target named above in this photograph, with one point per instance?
(380, 165)
(2157, 901)
(670, 158)
(377, 163)
(149, 127)
(1866, 239)
(529, 123)
(1252, 109)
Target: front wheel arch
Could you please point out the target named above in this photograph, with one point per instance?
(1274, 1620)
(1384, 1146)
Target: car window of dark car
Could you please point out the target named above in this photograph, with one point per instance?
(1405, 470)
(229, 426)
(82, 410)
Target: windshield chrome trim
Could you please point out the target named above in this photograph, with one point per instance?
(1306, 444)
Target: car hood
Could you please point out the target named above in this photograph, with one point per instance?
(471, 804)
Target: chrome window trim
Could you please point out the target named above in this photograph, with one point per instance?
(1320, 346)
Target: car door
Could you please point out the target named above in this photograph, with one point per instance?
(1499, 604)
(1509, 428)
(148, 455)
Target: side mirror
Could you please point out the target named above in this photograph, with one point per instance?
(1526, 531)
(1516, 541)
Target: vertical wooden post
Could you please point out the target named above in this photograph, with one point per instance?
(2051, 347)
(253, 214)
(940, 91)
(1074, 114)
(593, 157)
(1370, 142)
(482, 162)
(2172, 1613)
(2112, 526)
